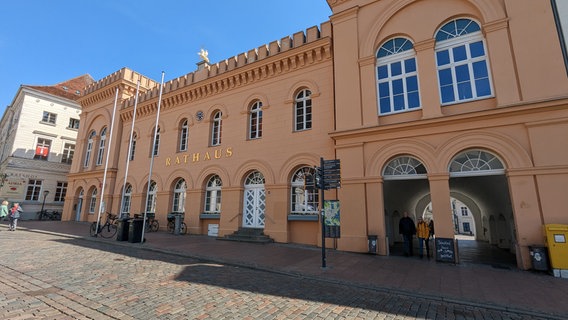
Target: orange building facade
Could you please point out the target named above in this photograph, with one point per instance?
(431, 107)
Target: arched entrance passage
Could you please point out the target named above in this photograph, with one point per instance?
(478, 183)
(405, 185)
(79, 205)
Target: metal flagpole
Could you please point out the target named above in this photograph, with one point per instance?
(129, 149)
(101, 203)
(152, 158)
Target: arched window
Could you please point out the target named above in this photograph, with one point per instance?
(404, 167)
(461, 59)
(183, 135)
(476, 162)
(216, 129)
(397, 77)
(89, 149)
(303, 201)
(255, 120)
(303, 110)
(93, 201)
(213, 195)
(101, 152)
(133, 148)
(151, 199)
(126, 200)
(179, 196)
(156, 140)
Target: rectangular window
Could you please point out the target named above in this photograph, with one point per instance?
(464, 211)
(49, 117)
(73, 123)
(34, 189)
(60, 191)
(42, 149)
(68, 151)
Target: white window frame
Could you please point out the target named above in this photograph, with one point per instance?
(303, 110)
(216, 128)
(89, 148)
(255, 120)
(213, 195)
(179, 195)
(184, 136)
(101, 150)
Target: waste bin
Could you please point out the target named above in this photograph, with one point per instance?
(372, 241)
(539, 258)
(122, 230)
(135, 230)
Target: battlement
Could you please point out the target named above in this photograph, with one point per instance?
(206, 70)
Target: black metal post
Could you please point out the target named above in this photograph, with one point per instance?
(45, 193)
(321, 186)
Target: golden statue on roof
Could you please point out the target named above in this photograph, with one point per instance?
(203, 55)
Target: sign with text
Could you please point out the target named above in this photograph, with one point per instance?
(332, 219)
(445, 250)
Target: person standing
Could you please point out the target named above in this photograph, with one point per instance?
(423, 234)
(408, 230)
(14, 216)
(4, 210)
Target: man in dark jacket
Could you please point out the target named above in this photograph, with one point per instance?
(407, 228)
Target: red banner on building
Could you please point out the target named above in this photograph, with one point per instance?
(42, 151)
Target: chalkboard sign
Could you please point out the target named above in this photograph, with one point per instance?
(445, 250)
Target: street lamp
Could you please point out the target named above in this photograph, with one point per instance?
(45, 193)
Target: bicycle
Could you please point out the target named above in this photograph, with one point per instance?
(48, 215)
(172, 222)
(151, 225)
(106, 230)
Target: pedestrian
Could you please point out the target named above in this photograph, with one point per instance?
(4, 210)
(14, 216)
(431, 227)
(408, 230)
(423, 234)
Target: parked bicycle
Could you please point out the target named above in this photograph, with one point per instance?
(151, 225)
(48, 215)
(106, 230)
(172, 223)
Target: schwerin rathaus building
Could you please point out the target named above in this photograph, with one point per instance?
(430, 106)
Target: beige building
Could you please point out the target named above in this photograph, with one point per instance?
(425, 103)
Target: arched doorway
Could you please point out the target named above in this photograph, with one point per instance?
(79, 205)
(481, 192)
(254, 201)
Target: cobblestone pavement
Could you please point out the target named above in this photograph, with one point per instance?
(54, 277)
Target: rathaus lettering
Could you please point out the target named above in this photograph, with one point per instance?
(199, 156)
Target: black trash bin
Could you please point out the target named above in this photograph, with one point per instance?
(539, 258)
(122, 230)
(372, 240)
(135, 230)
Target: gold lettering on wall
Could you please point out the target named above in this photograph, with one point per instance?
(195, 157)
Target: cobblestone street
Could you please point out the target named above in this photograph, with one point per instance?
(54, 277)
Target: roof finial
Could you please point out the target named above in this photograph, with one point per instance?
(203, 55)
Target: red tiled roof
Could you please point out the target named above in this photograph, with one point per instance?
(71, 89)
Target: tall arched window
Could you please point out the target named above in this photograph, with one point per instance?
(463, 71)
(179, 196)
(183, 135)
(89, 149)
(303, 110)
(126, 200)
(216, 129)
(397, 77)
(213, 195)
(101, 152)
(151, 199)
(156, 141)
(255, 120)
(304, 201)
(93, 201)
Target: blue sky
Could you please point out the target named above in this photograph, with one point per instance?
(46, 42)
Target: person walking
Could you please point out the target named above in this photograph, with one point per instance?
(14, 216)
(423, 234)
(408, 230)
(4, 210)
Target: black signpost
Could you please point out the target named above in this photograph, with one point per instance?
(328, 176)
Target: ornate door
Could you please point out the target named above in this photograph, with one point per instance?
(255, 201)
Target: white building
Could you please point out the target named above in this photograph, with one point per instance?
(38, 133)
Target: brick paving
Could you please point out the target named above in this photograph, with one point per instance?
(66, 275)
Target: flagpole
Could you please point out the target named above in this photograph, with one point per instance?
(129, 149)
(152, 158)
(101, 203)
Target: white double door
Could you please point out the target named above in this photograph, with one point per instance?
(254, 205)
